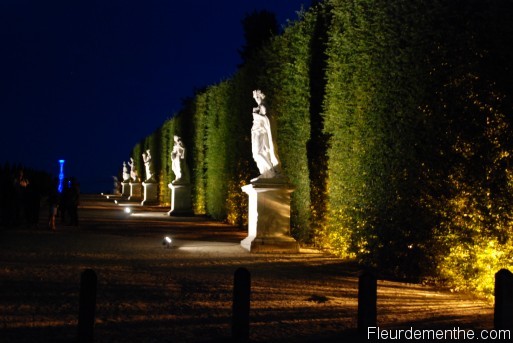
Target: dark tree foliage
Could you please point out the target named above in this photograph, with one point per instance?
(259, 27)
(317, 146)
(473, 104)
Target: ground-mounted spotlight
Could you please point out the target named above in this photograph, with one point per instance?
(128, 210)
(116, 202)
(166, 242)
(108, 197)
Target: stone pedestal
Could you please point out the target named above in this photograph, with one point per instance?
(150, 193)
(135, 191)
(269, 217)
(125, 189)
(181, 204)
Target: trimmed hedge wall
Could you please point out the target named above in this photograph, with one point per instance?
(393, 122)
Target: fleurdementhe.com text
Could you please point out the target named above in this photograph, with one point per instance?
(455, 334)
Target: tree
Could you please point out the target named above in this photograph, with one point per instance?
(259, 28)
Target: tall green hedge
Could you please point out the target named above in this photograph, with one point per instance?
(219, 149)
(376, 71)
(392, 119)
(198, 178)
(411, 91)
(285, 79)
(165, 173)
(241, 167)
(472, 101)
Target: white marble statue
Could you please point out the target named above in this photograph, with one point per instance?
(133, 171)
(126, 174)
(261, 139)
(177, 157)
(147, 164)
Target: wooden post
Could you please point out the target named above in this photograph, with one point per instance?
(367, 301)
(241, 305)
(87, 306)
(503, 309)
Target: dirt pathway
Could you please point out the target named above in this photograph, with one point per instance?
(147, 293)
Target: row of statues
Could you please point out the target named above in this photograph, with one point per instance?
(262, 148)
(268, 194)
(177, 164)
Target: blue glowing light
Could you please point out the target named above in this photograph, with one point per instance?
(61, 175)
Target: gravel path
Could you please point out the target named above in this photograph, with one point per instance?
(147, 293)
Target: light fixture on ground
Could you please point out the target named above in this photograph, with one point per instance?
(167, 242)
(128, 210)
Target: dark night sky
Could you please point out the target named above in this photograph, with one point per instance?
(85, 80)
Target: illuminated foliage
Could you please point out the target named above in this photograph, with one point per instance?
(137, 156)
(218, 153)
(377, 139)
(285, 79)
(165, 173)
(394, 123)
(419, 135)
(471, 189)
(198, 178)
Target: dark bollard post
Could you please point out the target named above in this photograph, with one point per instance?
(241, 305)
(87, 306)
(367, 301)
(503, 309)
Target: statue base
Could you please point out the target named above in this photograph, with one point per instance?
(135, 191)
(269, 217)
(150, 194)
(181, 204)
(125, 189)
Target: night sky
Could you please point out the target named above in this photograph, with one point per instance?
(86, 80)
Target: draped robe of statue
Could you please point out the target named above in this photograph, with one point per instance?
(177, 159)
(133, 171)
(126, 174)
(147, 164)
(268, 194)
(181, 200)
(262, 146)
